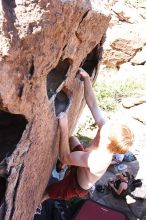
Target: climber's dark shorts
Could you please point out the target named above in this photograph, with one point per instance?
(68, 187)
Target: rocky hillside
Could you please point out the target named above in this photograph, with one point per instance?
(125, 45)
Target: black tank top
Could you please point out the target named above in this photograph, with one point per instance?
(116, 185)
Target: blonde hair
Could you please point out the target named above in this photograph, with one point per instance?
(121, 138)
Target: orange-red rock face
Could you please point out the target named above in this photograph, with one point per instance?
(43, 43)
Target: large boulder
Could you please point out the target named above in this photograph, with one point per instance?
(43, 43)
(123, 42)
